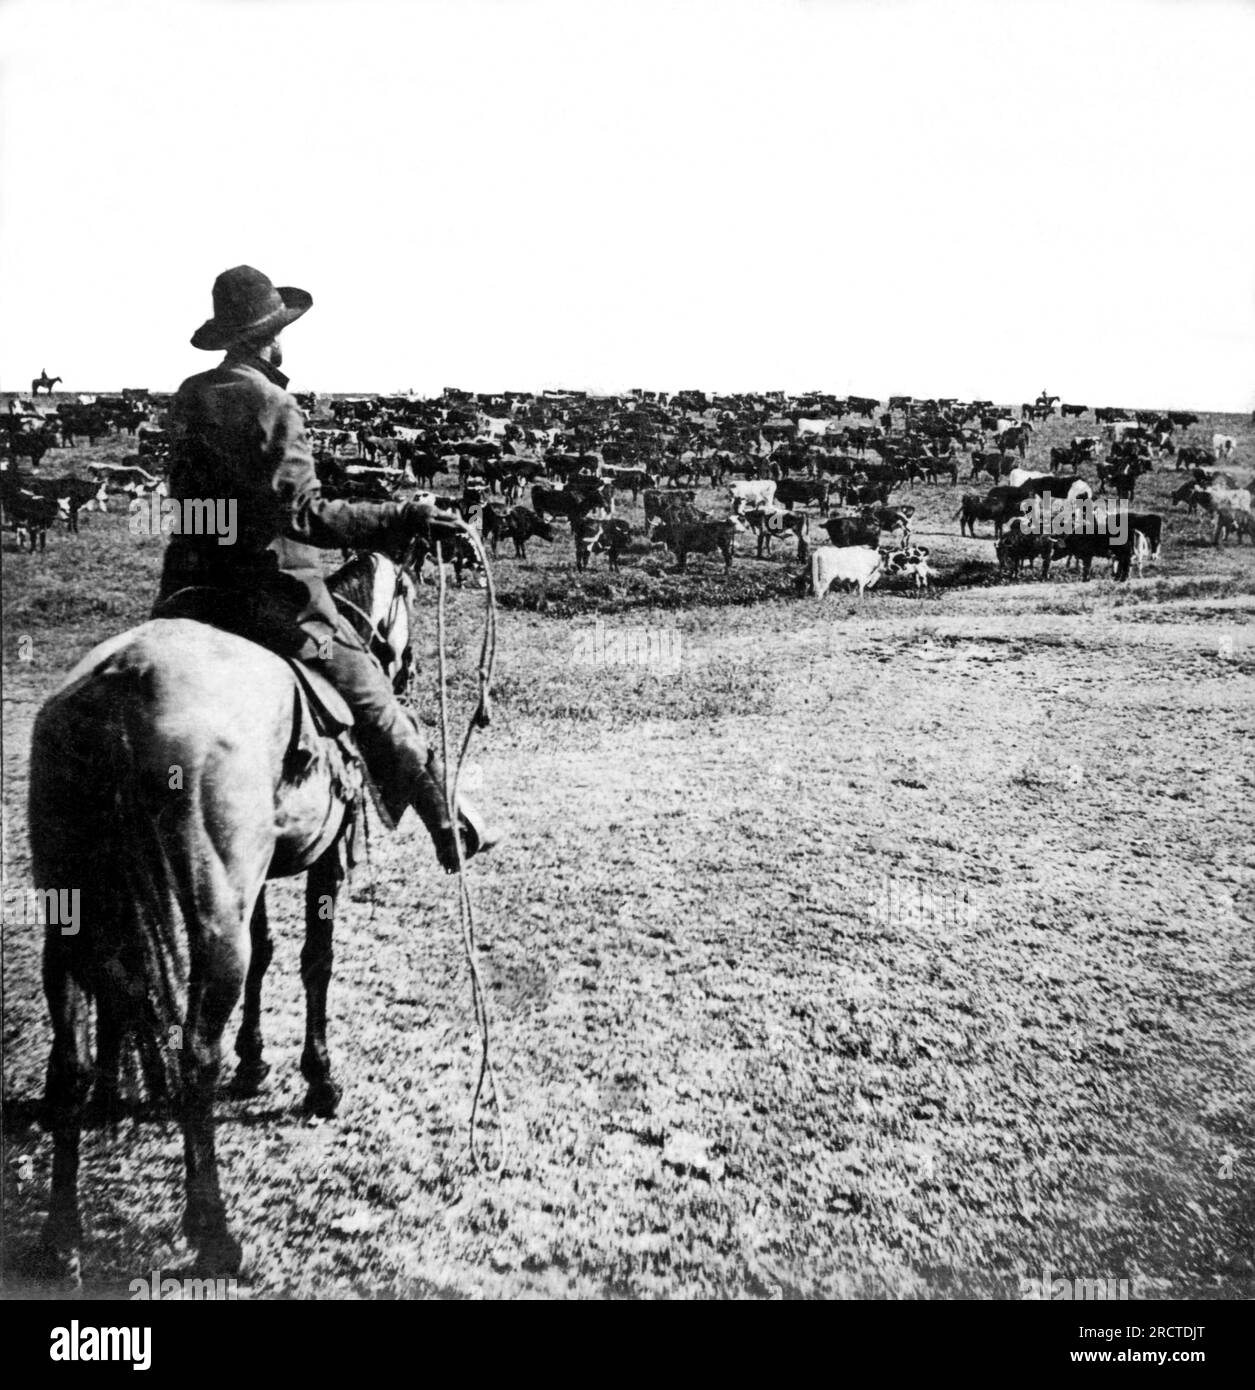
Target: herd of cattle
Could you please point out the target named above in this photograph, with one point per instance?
(782, 464)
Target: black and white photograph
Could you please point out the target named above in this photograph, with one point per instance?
(628, 657)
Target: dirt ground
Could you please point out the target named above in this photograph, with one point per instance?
(896, 949)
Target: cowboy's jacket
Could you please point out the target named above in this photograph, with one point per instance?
(239, 437)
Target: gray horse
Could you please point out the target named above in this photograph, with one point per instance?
(174, 771)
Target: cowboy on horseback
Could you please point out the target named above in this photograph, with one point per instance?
(238, 434)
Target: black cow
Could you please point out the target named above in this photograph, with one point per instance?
(519, 524)
(998, 505)
(1089, 546)
(1193, 496)
(30, 517)
(1067, 410)
(597, 492)
(549, 501)
(1057, 486)
(934, 464)
(768, 522)
(1123, 476)
(985, 463)
(1150, 524)
(150, 440)
(683, 538)
(634, 480)
(74, 492)
(791, 491)
(853, 530)
(1016, 437)
(868, 495)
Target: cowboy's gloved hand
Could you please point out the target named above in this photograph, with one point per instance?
(428, 521)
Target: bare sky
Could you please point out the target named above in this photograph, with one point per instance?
(941, 198)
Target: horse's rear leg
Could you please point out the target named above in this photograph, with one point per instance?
(217, 978)
(65, 1098)
(105, 1104)
(252, 1071)
(322, 886)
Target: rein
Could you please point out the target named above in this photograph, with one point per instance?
(480, 719)
(486, 1084)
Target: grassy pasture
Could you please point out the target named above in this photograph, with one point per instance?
(896, 949)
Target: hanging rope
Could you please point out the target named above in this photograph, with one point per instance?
(486, 1081)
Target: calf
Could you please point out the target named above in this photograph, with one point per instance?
(593, 534)
(457, 551)
(1223, 445)
(1019, 544)
(1193, 455)
(1231, 521)
(911, 562)
(897, 520)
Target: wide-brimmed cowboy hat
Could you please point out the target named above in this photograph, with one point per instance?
(247, 305)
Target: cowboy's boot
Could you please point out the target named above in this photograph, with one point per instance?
(428, 799)
(417, 779)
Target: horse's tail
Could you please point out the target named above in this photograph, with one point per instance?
(98, 858)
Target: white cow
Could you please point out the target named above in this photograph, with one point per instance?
(759, 492)
(1223, 445)
(848, 564)
(1235, 499)
(493, 427)
(819, 427)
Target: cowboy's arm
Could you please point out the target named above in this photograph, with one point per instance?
(308, 515)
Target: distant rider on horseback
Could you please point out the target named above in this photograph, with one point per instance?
(238, 435)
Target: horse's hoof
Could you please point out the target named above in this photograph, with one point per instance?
(249, 1079)
(218, 1257)
(46, 1264)
(323, 1099)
